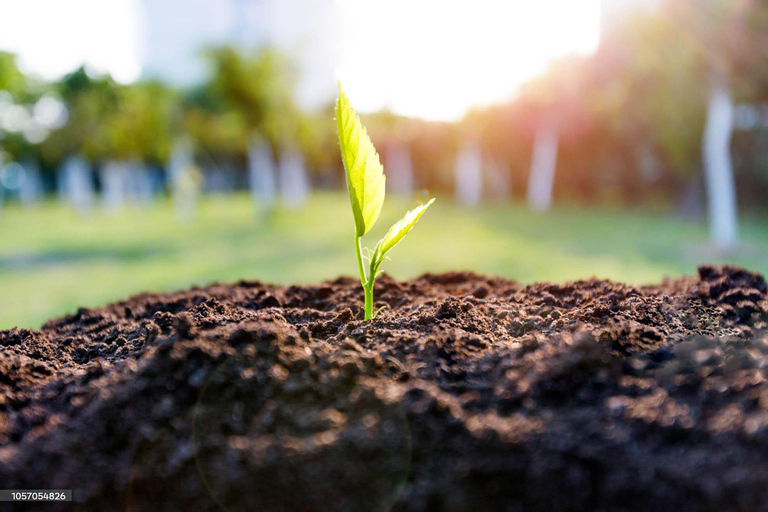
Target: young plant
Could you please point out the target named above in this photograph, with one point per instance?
(365, 183)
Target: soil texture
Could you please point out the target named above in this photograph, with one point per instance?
(466, 393)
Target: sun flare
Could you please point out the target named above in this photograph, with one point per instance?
(434, 59)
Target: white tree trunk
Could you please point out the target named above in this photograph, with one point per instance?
(76, 184)
(114, 178)
(468, 175)
(31, 187)
(294, 182)
(184, 178)
(181, 158)
(543, 163)
(399, 170)
(718, 171)
(139, 182)
(261, 175)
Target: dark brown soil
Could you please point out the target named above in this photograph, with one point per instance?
(467, 393)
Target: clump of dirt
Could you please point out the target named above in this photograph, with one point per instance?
(466, 393)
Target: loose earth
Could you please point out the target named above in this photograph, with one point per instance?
(466, 393)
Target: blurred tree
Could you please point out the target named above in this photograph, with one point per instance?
(23, 124)
(650, 90)
(317, 139)
(112, 121)
(557, 96)
(140, 126)
(701, 27)
(247, 106)
(218, 134)
(251, 96)
(91, 101)
(393, 136)
(730, 39)
(12, 80)
(649, 102)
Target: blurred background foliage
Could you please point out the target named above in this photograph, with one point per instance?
(630, 120)
(639, 95)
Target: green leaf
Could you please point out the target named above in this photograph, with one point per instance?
(396, 233)
(365, 175)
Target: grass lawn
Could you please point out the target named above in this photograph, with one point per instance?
(53, 260)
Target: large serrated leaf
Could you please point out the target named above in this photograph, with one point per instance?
(398, 231)
(363, 169)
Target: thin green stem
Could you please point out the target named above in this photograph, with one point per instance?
(367, 282)
(360, 267)
(369, 300)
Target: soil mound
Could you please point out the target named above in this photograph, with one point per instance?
(466, 393)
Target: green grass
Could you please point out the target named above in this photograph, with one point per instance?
(52, 260)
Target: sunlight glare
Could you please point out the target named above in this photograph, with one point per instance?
(435, 58)
(53, 38)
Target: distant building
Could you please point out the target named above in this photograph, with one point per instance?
(175, 32)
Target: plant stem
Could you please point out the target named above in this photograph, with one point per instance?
(369, 301)
(360, 267)
(365, 281)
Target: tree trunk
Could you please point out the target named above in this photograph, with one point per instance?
(76, 183)
(139, 184)
(114, 178)
(184, 178)
(294, 181)
(31, 188)
(261, 175)
(468, 175)
(718, 171)
(543, 163)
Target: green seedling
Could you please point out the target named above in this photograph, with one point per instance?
(365, 183)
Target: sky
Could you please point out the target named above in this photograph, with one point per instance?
(53, 37)
(427, 58)
(435, 58)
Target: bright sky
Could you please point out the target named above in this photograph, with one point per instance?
(53, 37)
(435, 58)
(427, 58)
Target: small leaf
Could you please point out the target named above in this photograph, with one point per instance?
(362, 167)
(398, 231)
